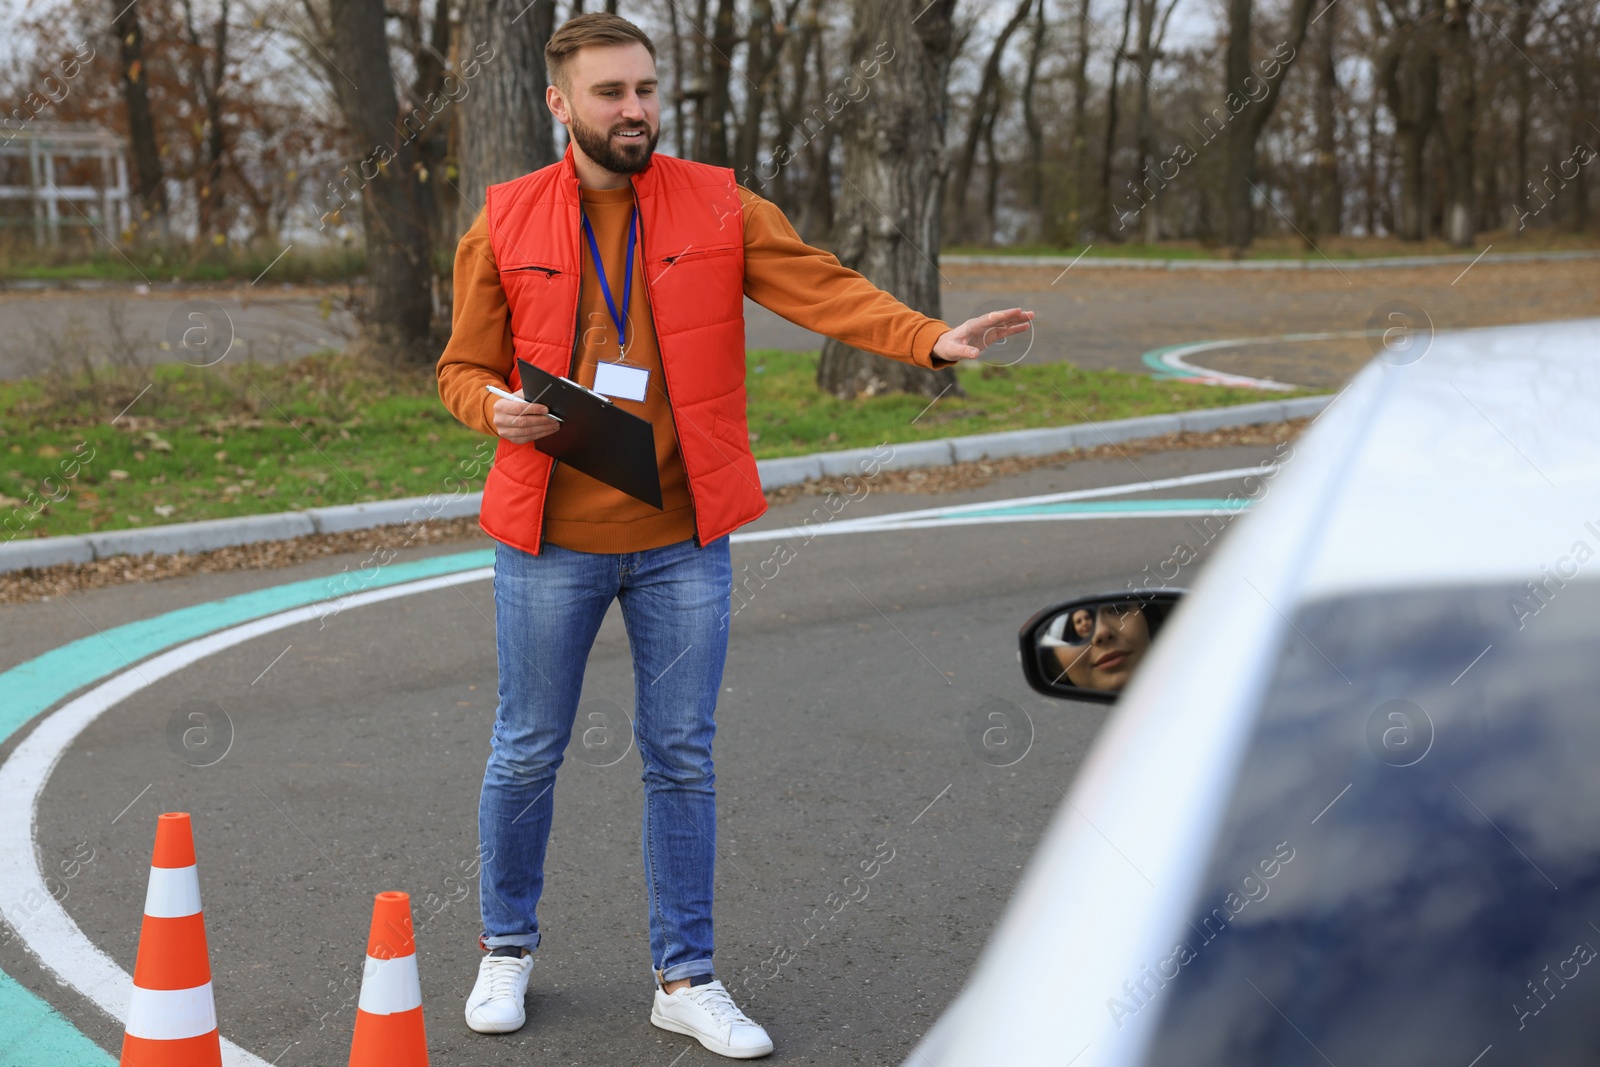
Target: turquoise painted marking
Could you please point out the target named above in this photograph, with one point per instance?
(36, 1034)
(1109, 507)
(1155, 359)
(39, 683)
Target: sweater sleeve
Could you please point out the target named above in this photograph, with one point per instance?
(479, 351)
(811, 288)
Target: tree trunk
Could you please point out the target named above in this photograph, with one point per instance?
(681, 80)
(398, 304)
(1080, 128)
(1456, 122)
(888, 215)
(1238, 147)
(1330, 193)
(1108, 157)
(428, 98)
(795, 54)
(1035, 126)
(816, 217)
(1239, 144)
(1409, 72)
(760, 66)
(1144, 122)
(1520, 81)
(506, 129)
(208, 63)
(148, 181)
(717, 100)
(991, 196)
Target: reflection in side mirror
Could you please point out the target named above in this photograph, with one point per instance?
(1089, 649)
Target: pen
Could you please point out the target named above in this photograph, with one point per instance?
(513, 396)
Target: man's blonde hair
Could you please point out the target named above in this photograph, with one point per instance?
(596, 29)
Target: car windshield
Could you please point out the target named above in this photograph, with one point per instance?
(1409, 869)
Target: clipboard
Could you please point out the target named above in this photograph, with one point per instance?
(596, 437)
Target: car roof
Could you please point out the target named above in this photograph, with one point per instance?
(1473, 458)
(1478, 462)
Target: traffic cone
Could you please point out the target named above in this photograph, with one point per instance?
(389, 1030)
(172, 1019)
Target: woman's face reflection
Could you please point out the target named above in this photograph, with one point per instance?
(1083, 623)
(1119, 636)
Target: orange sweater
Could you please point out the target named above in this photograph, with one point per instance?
(805, 285)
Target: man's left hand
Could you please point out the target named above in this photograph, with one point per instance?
(968, 340)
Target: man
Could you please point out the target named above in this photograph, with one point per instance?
(633, 266)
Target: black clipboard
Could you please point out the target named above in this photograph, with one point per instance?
(596, 437)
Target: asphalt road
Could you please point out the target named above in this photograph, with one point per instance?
(856, 682)
(1093, 317)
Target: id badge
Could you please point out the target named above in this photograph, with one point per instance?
(622, 382)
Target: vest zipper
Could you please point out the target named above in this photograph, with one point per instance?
(572, 373)
(549, 272)
(696, 252)
(665, 380)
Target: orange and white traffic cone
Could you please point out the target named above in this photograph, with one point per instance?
(172, 1020)
(389, 1030)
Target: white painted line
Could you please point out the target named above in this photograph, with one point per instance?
(926, 518)
(52, 935)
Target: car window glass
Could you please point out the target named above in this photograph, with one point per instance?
(1409, 869)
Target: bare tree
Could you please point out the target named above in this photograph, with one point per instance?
(1031, 119)
(1521, 82)
(1080, 127)
(398, 306)
(1408, 70)
(713, 124)
(1109, 152)
(1150, 37)
(1457, 120)
(893, 175)
(1330, 195)
(815, 222)
(762, 44)
(1239, 143)
(980, 121)
(208, 64)
(148, 180)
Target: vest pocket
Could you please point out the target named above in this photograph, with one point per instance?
(700, 253)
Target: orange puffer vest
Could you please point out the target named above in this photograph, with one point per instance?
(691, 244)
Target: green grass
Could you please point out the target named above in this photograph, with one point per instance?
(179, 262)
(331, 429)
(1095, 251)
(1290, 247)
(790, 417)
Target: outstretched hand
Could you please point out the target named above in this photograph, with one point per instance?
(968, 340)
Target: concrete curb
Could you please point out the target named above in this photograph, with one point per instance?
(1126, 263)
(191, 537)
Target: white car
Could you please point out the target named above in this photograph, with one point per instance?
(1348, 811)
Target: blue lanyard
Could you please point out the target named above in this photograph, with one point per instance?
(621, 318)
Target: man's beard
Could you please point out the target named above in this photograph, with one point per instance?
(599, 146)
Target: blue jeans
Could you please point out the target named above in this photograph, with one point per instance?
(548, 608)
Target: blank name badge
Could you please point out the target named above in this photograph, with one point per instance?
(625, 383)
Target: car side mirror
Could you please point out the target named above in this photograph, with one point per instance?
(1089, 649)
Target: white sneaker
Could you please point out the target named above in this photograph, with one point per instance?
(708, 1014)
(495, 1006)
